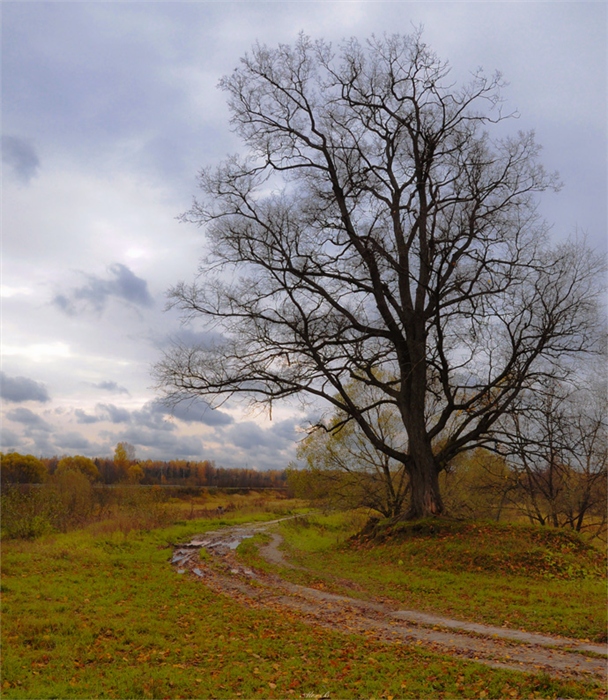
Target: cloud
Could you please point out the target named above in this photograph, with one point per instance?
(195, 411)
(187, 337)
(31, 420)
(250, 445)
(72, 441)
(19, 389)
(9, 440)
(104, 412)
(115, 414)
(163, 445)
(85, 418)
(249, 435)
(113, 387)
(21, 158)
(123, 284)
(154, 414)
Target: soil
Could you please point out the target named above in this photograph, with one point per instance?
(495, 646)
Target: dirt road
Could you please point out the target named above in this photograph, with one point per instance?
(494, 646)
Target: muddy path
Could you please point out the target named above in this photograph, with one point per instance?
(494, 646)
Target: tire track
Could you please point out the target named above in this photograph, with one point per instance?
(494, 646)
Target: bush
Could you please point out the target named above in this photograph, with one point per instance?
(25, 513)
(70, 497)
(16, 468)
(66, 501)
(80, 464)
(139, 508)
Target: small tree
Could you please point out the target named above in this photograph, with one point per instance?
(78, 463)
(70, 498)
(135, 474)
(344, 468)
(376, 231)
(556, 439)
(16, 468)
(124, 456)
(478, 484)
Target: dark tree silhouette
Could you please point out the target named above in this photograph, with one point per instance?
(375, 232)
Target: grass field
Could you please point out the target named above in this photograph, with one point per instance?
(100, 613)
(540, 580)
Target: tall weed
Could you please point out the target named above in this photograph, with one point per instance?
(26, 513)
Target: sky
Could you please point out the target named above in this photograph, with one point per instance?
(109, 110)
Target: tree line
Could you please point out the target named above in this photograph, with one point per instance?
(16, 468)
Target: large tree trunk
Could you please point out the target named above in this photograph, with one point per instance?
(425, 495)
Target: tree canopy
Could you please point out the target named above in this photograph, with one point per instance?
(80, 464)
(16, 468)
(376, 231)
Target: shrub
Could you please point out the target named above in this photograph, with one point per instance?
(140, 508)
(25, 513)
(16, 468)
(78, 463)
(70, 497)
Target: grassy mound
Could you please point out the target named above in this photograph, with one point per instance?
(498, 548)
(520, 576)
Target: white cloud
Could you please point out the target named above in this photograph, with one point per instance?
(39, 352)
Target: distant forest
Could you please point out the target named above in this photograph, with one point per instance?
(151, 472)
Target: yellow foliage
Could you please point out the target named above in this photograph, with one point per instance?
(78, 463)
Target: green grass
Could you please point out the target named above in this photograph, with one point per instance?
(531, 578)
(105, 616)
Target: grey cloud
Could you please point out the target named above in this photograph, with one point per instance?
(123, 284)
(255, 457)
(128, 286)
(163, 445)
(112, 387)
(31, 420)
(101, 76)
(248, 435)
(41, 444)
(63, 303)
(115, 414)
(85, 418)
(196, 411)
(72, 441)
(103, 412)
(21, 157)
(152, 415)
(19, 389)
(9, 440)
(285, 430)
(249, 444)
(188, 337)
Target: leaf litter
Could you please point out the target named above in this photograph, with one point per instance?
(498, 647)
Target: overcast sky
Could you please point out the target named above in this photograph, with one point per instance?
(109, 110)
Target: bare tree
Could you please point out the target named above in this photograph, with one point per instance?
(375, 231)
(556, 438)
